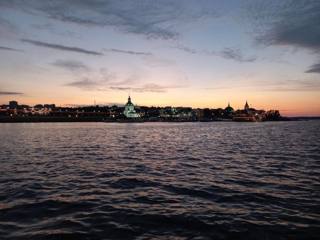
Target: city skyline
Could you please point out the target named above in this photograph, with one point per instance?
(16, 103)
(168, 53)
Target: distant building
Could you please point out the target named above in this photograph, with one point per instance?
(246, 106)
(228, 111)
(248, 114)
(38, 106)
(129, 111)
(199, 113)
(50, 106)
(168, 112)
(13, 105)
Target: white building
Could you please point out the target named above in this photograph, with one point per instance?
(129, 111)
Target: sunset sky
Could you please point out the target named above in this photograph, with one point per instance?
(168, 52)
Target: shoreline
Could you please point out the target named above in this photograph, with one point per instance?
(97, 119)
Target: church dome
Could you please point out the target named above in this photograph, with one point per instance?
(229, 108)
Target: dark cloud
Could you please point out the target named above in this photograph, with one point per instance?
(61, 47)
(71, 65)
(10, 49)
(128, 52)
(10, 93)
(315, 68)
(288, 23)
(153, 19)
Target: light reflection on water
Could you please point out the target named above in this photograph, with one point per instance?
(155, 180)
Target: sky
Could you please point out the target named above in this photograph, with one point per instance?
(195, 53)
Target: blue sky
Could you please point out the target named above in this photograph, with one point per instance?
(168, 52)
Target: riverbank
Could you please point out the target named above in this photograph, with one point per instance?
(35, 119)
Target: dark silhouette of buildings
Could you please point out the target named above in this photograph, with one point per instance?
(50, 112)
(13, 105)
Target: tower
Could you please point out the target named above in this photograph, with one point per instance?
(129, 100)
(246, 106)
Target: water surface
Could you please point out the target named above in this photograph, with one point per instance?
(160, 180)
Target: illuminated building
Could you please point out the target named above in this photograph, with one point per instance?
(129, 111)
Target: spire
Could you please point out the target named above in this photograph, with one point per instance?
(246, 106)
(129, 100)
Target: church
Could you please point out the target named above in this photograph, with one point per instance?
(129, 110)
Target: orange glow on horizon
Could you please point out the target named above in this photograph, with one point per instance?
(287, 105)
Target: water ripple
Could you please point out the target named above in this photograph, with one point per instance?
(160, 181)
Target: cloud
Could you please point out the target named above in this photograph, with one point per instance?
(10, 93)
(294, 86)
(150, 87)
(85, 84)
(10, 49)
(71, 65)
(272, 86)
(227, 53)
(315, 68)
(236, 55)
(129, 52)
(187, 49)
(128, 81)
(287, 23)
(122, 85)
(61, 47)
(152, 19)
(100, 81)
